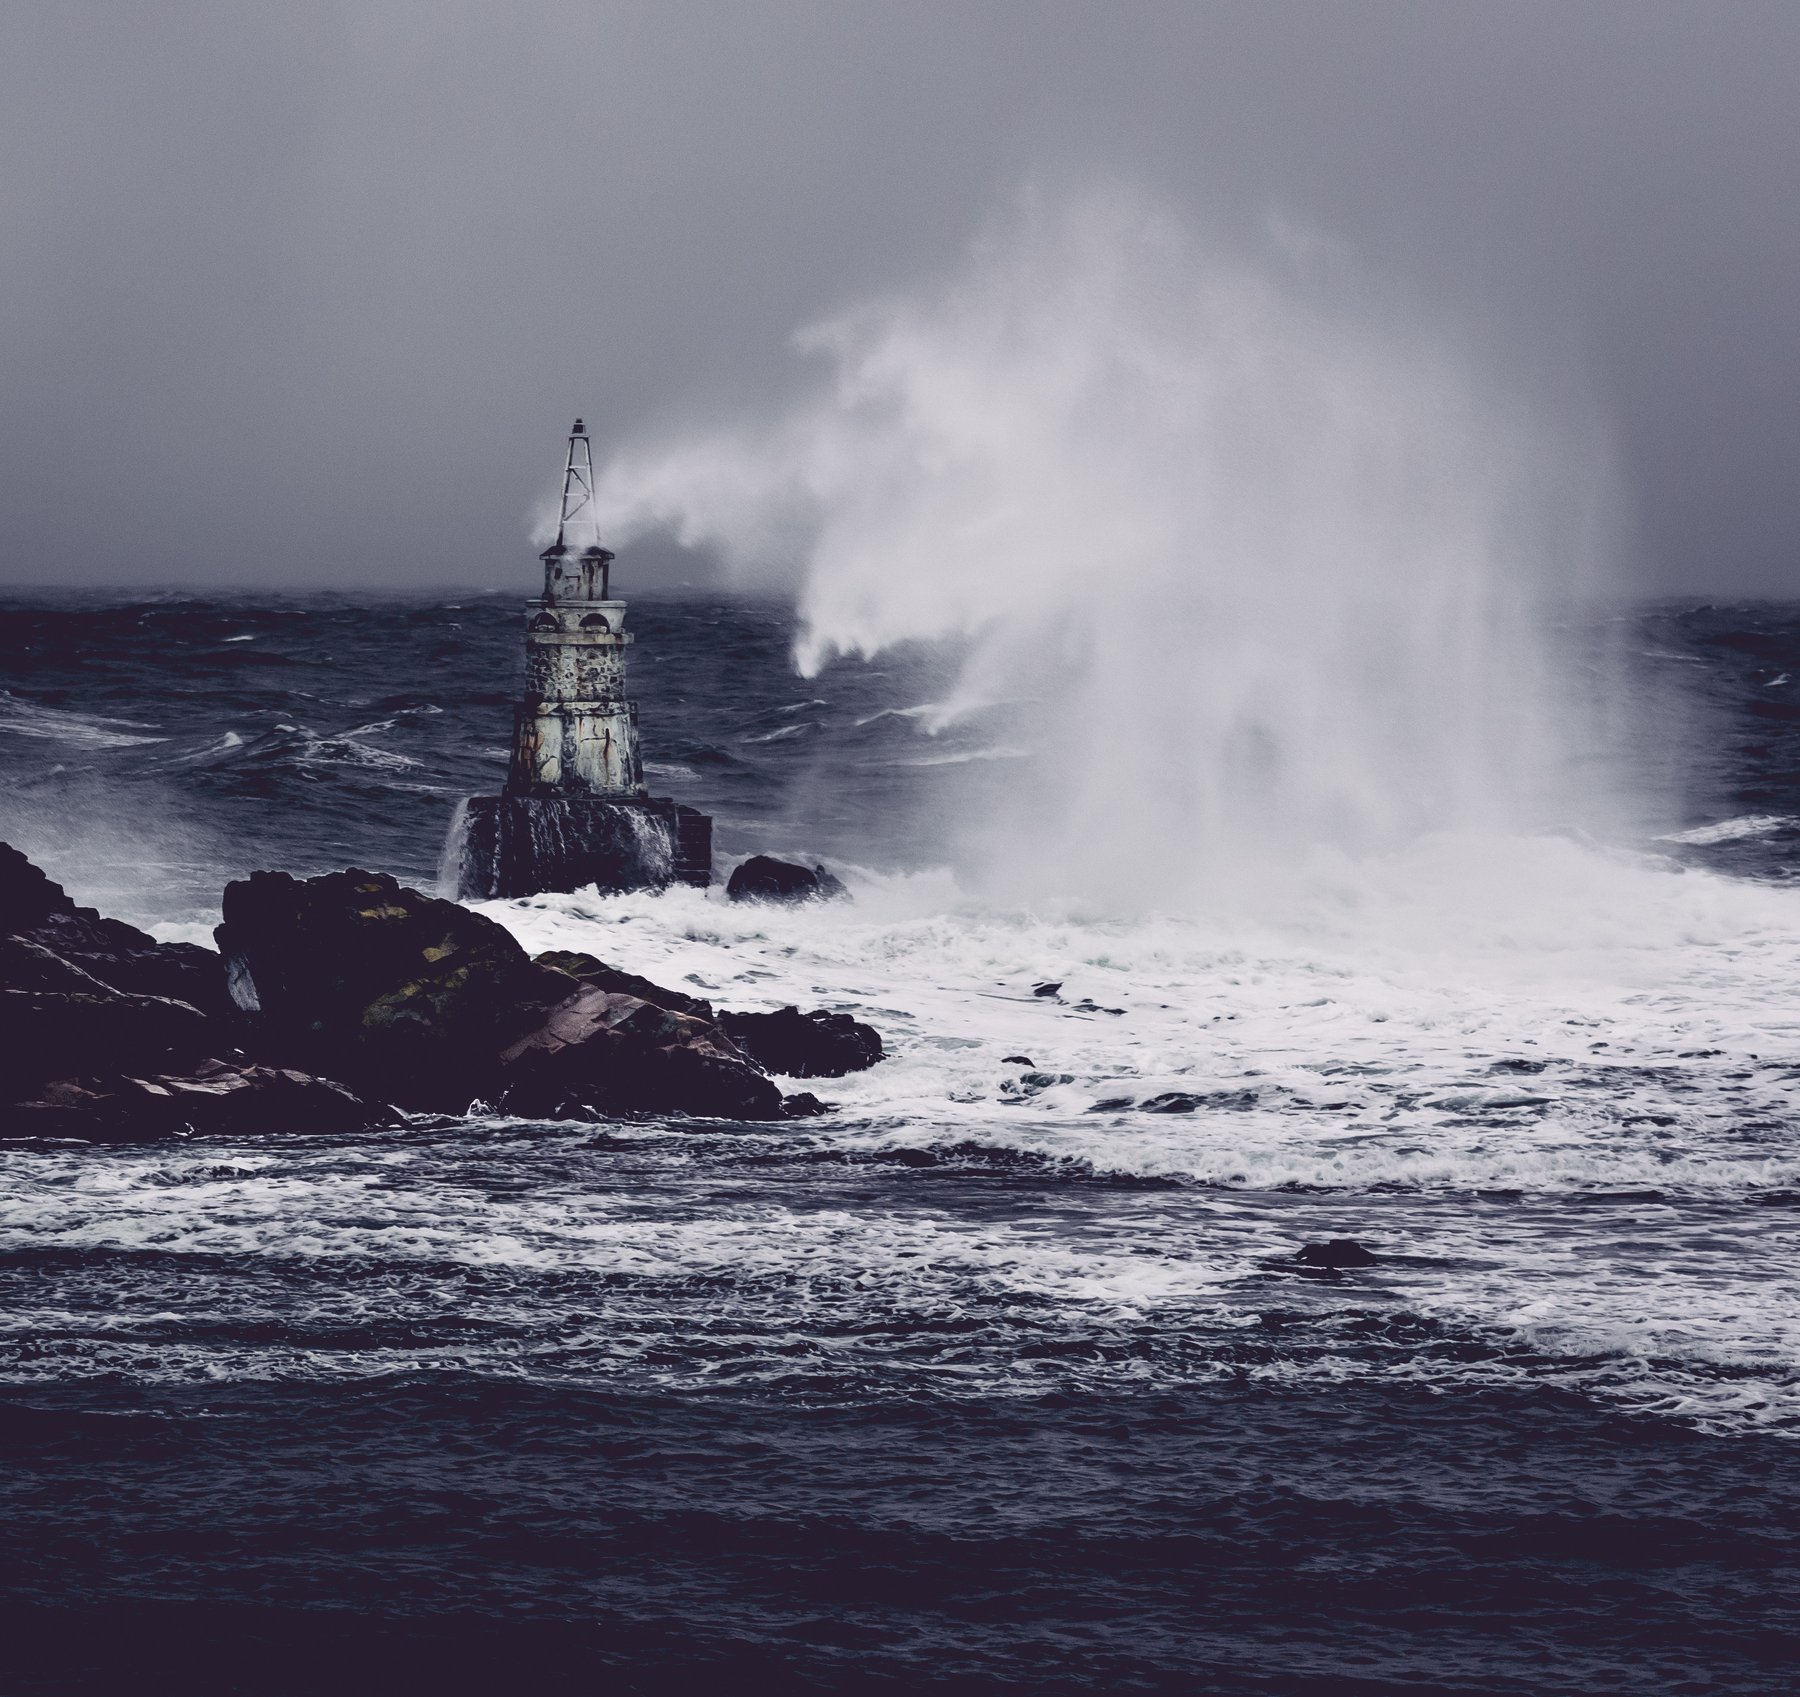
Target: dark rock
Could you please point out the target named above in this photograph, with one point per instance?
(39, 910)
(1017, 1061)
(762, 878)
(602, 977)
(407, 998)
(1171, 1102)
(26, 965)
(803, 1105)
(804, 1045)
(46, 1034)
(422, 1002)
(1047, 989)
(28, 896)
(1337, 1253)
(214, 1098)
(601, 1052)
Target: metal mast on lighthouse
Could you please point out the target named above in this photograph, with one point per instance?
(578, 510)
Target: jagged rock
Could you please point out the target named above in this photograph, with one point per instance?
(28, 895)
(46, 1034)
(603, 977)
(25, 965)
(762, 878)
(215, 1097)
(405, 997)
(34, 907)
(803, 1105)
(804, 1045)
(604, 1052)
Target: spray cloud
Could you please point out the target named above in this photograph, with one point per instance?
(1253, 570)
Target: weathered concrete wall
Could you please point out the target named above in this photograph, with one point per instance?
(575, 729)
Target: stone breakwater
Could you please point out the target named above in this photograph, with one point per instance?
(342, 1002)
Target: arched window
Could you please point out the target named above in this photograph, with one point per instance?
(595, 621)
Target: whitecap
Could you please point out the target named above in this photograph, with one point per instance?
(1750, 825)
(90, 730)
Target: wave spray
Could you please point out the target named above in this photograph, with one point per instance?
(1247, 570)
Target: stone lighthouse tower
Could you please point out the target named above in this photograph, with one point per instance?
(575, 730)
(574, 810)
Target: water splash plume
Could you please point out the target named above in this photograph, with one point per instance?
(1249, 568)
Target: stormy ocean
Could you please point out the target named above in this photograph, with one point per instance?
(1013, 1372)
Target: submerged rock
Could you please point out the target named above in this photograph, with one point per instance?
(804, 1045)
(762, 878)
(1338, 1253)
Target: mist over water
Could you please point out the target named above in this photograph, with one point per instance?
(1237, 568)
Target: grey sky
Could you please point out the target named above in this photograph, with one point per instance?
(308, 293)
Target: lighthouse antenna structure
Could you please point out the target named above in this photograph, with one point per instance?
(578, 500)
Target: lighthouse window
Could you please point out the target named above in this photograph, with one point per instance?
(543, 622)
(595, 621)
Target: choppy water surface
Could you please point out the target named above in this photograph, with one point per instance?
(1003, 1374)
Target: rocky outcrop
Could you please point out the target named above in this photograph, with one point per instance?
(603, 977)
(795, 1044)
(426, 1004)
(75, 1034)
(601, 1052)
(804, 1045)
(216, 1097)
(107, 1034)
(347, 993)
(72, 996)
(400, 995)
(763, 878)
(38, 910)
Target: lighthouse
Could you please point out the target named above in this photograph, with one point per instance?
(575, 731)
(574, 810)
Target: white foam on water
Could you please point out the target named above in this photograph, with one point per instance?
(1532, 1019)
(1412, 1019)
(83, 730)
(1750, 826)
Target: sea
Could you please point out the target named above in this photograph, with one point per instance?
(1026, 1367)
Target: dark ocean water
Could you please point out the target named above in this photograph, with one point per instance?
(1003, 1376)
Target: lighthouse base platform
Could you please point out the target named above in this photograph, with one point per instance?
(523, 845)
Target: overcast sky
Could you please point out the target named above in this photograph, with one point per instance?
(310, 292)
